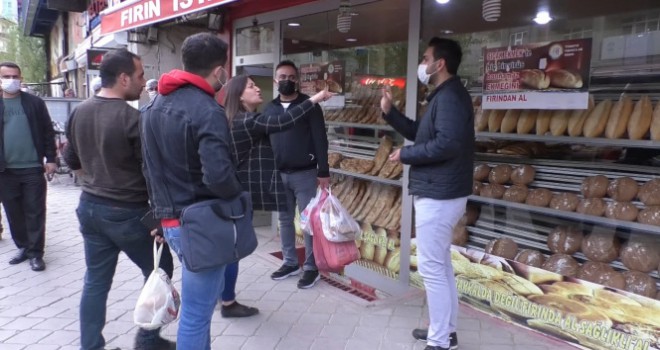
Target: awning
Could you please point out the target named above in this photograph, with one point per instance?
(138, 13)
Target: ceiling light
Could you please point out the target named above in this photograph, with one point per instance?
(344, 17)
(447, 31)
(491, 10)
(352, 40)
(442, 1)
(543, 17)
(294, 24)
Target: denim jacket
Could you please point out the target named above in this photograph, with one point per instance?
(186, 147)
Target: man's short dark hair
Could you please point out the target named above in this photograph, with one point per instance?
(114, 63)
(11, 65)
(287, 63)
(449, 50)
(202, 52)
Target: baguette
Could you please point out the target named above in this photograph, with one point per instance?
(387, 196)
(543, 122)
(481, 120)
(372, 189)
(564, 79)
(577, 119)
(535, 79)
(495, 119)
(619, 117)
(510, 121)
(655, 124)
(640, 119)
(354, 195)
(527, 121)
(362, 191)
(559, 122)
(596, 121)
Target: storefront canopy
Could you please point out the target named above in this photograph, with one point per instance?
(138, 13)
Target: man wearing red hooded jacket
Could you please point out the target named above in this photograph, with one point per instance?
(187, 159)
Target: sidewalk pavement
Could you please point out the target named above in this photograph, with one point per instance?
(39, 310)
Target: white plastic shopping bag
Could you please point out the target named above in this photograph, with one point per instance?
(305, 222)
(338, 225)
(159, 301)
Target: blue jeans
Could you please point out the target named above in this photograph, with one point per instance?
(199, 295)
(300, 188)
(231, 276)
(106, 231)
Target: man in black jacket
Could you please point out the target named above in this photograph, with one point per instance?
(26, 139)
(440, 179)
(301, 155)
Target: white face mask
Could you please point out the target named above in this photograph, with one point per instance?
(422, 75)
(152, 94)
(11, 86)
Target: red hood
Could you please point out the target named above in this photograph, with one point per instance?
(170, 82)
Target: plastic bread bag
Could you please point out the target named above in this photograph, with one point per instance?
(305, 222)
(338, 225)
(159, 301)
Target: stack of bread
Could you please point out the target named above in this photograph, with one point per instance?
(625, 118)
(365, 105)
(378, 166)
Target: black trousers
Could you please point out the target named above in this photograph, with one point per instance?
(23, 194)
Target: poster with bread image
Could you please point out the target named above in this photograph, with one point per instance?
(315, 77)
(548, 75)
(588, 315)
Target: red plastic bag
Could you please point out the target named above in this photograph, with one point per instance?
(330, 256)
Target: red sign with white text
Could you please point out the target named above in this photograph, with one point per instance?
(133, 14)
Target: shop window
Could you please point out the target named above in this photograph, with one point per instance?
(642, 24)
(517, 38)
(256, 39)
(579, 33)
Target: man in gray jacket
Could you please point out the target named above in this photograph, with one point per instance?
(441, 163)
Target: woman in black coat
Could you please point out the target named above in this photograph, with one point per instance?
(255, 161)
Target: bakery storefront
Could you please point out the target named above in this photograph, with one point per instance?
(561, 233)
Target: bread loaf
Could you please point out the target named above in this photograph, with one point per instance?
(481, 172)
(481, 120)
(649, 193)
(562, 264)
(380, 251)
(471, 215)
(534, 78)
(655, 124)
(527, 121)
(592, 206)
(640, 119)
(510, 121)
(601, 246)
(594, 186)
(596, 121)
(565, 79)
(591, 271)
(565, 240)
(640, 283)
(619, 116)
(503, 247)
(543, 121)
(559, 122)
(577, 119)
(623, 189)
(460, 236)
(539, 197)
(476, 187)
(523, 175)
(649, 216)
(564, 201)
(500, 174)
(530, 257)
(492, 191)
(640, 255)
(624, 211)
(516, 193)
(495, 119)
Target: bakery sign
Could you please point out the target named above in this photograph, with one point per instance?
(550, 75)
(315, 77)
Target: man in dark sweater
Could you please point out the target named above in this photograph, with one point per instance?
(105, 151)
(26, 139)
(301, 155)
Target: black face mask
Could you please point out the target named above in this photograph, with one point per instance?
(286, 87)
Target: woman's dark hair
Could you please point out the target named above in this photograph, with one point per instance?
(234, 90)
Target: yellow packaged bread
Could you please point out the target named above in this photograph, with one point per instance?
(578, 118)
(619, 116)
(527, 121)
(640, 119)
(596, 121)
(495, 119)
(510, 121)
(559, 122)
(543, 121)
(655, 124)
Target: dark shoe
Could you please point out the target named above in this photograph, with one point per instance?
(19, 257)
(151, 340)
(422, 334)
(238, 310)
(429, 347)
(37, 264)
(308, 279)
(284, 272)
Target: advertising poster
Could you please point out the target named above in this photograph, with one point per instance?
(588, 315)
(551, 75)
(315, 77)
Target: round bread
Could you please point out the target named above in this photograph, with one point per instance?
(649, 216)
(592, 270)
(640, 283)
(601, 246)
(642, 256)
(565, 240)
(612, 279)
(500, 174)
(471, 214)
(481, 172)
(476, 187)
(539, 197)
(503, 247)
(562, 264)
(649, 193)
(592, 206)
(523, 175)
(492, 191)
(623, 189)
(624, 211)
(516, 193)
(530, 257)
(564, 201)
(459, 236)
(595, 186)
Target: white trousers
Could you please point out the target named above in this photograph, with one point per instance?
(434, 223)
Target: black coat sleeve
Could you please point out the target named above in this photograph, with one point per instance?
(400, 123)
(320, 140)
(47, 132)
